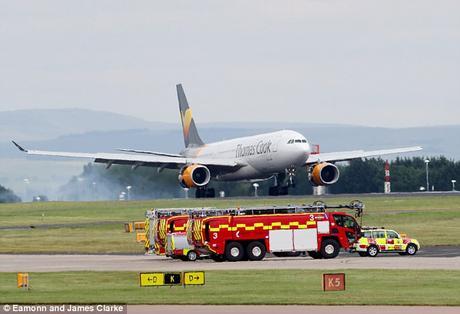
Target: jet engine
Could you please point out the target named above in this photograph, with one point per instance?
(324, 174)
(194, 176)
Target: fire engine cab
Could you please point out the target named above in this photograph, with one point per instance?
(249, 233)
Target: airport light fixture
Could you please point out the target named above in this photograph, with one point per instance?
(186, 192)
(26, 188)
(128, 188)
(427, 161)
(453, 184)
(256, 186)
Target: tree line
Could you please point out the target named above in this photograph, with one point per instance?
(356, 176)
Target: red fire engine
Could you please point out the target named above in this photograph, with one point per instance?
(236, 234)
(160, 223)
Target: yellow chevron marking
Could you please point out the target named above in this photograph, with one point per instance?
(277, 224)
(250, 228)
(259, 224)
(214, 229)
(240, 225)
(294, 223)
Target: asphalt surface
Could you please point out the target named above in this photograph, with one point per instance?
(446, 257)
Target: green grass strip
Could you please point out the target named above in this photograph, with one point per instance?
(371, 287)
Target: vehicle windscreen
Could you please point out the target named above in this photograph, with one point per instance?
(345, 221)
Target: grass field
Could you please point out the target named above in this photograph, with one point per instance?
(396, 287)
(433, 220)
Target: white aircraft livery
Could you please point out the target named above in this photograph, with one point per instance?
(252, 158)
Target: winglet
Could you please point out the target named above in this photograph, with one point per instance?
(22, 149)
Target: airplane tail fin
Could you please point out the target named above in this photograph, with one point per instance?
(191, 136)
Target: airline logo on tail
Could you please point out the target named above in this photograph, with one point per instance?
(186, 121)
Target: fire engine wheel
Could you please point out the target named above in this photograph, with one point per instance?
(411, 249)
(315, 255)
(255, 251)
(330, 248)
(192, 256)
(234, 252)
(372, 251)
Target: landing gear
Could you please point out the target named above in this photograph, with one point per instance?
(204, 192)
(283, 181)
(278, 190)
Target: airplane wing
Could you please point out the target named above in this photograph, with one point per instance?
(345, 156)
(148, 152)
(151, 160)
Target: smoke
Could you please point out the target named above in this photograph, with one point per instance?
(121, 183)
(8, 196)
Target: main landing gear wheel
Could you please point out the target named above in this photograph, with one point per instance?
(278, 190)
(205, 193)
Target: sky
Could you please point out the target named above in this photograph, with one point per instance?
(375, 63)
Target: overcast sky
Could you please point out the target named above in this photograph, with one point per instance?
(382, 63)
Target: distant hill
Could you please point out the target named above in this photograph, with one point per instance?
(43, 124)
(434, 140)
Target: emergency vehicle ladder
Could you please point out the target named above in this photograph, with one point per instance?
(316, 207)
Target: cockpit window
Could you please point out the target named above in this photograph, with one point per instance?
(304, 141)
(290, 141)
(298, 141)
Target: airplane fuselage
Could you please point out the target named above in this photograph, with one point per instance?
(263, 155)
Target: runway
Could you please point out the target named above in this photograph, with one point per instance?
(447, 257)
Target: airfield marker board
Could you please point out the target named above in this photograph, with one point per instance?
(173, 279)
(194, 278)
(151, 279)
(334, 282)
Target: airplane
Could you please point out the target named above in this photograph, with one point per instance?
(252, 158)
